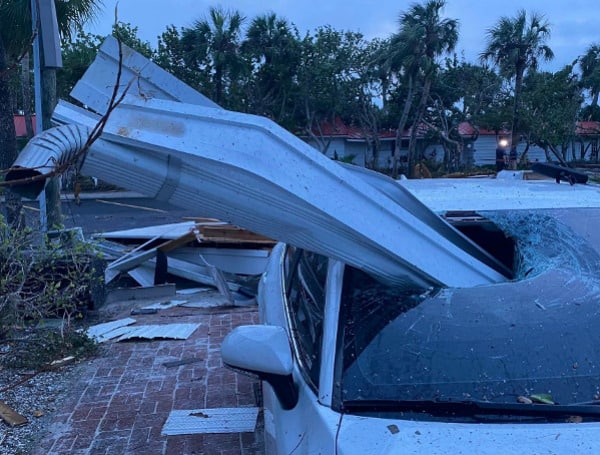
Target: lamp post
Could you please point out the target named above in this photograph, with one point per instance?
(502, 145)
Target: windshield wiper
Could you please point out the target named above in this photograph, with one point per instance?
(470, 408)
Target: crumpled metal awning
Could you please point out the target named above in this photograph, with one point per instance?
(249, 171)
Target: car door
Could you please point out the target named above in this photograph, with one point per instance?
(303, 293)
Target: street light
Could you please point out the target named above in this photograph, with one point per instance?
(502, 144)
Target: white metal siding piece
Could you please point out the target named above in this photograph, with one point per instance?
(164, 305)
(96, 87)
(294, 195)
(249, 171)
(169, 231)
(219, 420)
(174, 331)
(116, 333)
(108, 330)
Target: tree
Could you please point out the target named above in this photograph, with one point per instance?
(77, 55)
(273, 48)
(423, 37)
(551, 102)
(8, 142)
(328, 80)
(471, 88)
(212, 47)
(590, 77)
(15, 39)
(170, 55)
(516, 45)
(373, 95)
(128, 35)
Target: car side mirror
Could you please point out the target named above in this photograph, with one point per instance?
(263, 351)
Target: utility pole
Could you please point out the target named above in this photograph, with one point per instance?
(46, 54)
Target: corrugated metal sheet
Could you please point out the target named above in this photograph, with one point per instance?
(108, 330)
(251, 172)
(123, 329)
(173, 331)
(151, 81)
(296, 196)
(219, 420)
(165, 305)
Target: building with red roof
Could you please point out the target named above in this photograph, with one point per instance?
(350, 143)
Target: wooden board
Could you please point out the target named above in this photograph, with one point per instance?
(173, 244)
(229, 233)
(10, 416)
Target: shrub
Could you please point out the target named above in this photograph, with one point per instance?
(44, 278)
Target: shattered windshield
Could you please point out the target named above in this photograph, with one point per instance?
(537, 334)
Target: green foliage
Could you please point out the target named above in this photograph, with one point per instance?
(36, 349)
(77, 55)
(272, 51)
(423, 37)
(590, 74)
(591, 112)
(16, 28)
(170, 55)
(263, 66)
(57, 278)
(212, 47)
(473, 88)
(127, 34)
(550, 105)
(328, 80)
(518, 43)
(348, 159)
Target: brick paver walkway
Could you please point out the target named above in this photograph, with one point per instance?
(122, 398)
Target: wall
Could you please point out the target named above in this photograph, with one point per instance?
(484, 151)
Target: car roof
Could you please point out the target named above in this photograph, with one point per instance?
(506, 191)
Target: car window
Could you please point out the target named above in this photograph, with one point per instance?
(306, 275)
(534, 335)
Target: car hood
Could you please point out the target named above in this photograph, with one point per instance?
(389, 436)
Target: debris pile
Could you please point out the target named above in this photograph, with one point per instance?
(200, 252)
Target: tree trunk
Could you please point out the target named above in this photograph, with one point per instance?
(412, 146)
(13, 207)
(402, 125)
(523, 158)
(516, 123)
(53, 207)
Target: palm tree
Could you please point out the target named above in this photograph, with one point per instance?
(212, 46)
(423, 37)
(590, 72)
(15, 38)
(274, 49)
(516, 45)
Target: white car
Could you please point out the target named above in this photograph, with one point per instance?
(354, 366)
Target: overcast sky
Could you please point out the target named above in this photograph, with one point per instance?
(575, 23)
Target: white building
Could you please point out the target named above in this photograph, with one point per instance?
(349, 143)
